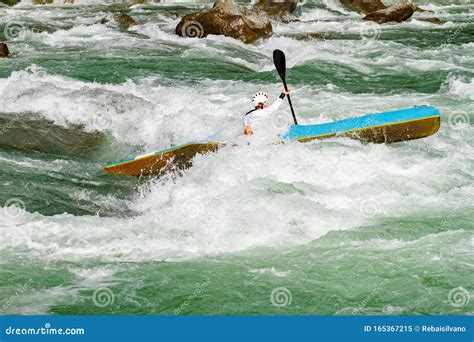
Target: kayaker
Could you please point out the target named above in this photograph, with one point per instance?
(253, 119)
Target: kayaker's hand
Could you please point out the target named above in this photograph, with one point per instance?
(286, 92)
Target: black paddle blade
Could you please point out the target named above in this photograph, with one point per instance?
(280, 64)
(279, 60)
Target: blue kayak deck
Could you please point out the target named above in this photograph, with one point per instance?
(368, 121)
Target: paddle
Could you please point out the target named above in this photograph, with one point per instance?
(279, 60)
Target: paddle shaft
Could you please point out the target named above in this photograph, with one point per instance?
(279, 59)
(289, 102)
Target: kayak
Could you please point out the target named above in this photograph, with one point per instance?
(386, 127)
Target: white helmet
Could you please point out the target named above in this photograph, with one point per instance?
(260, 97)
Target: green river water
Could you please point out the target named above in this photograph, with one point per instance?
(333, 227)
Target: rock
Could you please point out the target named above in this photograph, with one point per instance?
(33, 133)
(436, 21)
(418, 9)
(4, 52)
(121, 19)
(122, 6)
(396, 13)
(277, 9)
(10, 2)
(228, 19)
(311, 36)
(172, 14)
(124, 20)
(289, 18)
(364, 6)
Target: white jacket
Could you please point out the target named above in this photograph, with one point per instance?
(259, 119)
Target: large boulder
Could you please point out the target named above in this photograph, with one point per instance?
(228, 19)
(364, 6)
(277, 8)
(396, 13)
(4, 52)
(33, 133)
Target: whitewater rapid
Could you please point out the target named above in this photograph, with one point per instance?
(146, 89)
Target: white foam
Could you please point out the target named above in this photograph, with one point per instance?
(247, 197)
(462, 88)
(272, 271)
